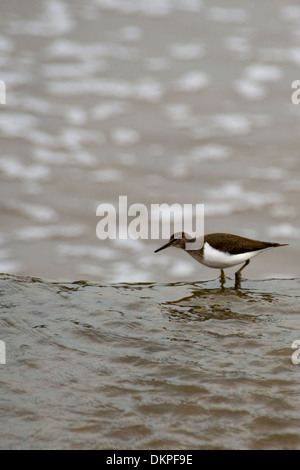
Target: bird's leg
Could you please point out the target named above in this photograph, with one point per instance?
(238, 273)
(222, 277)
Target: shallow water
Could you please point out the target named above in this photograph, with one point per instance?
(149, 366)
(167, 101)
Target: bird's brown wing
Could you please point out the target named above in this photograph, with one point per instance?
(235, 245)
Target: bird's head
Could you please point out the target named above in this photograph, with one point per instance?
(177, 240)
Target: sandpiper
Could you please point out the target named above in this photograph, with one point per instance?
(222, 250)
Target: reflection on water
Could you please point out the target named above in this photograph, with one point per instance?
(161, 366)
(219, 303)
(205, 304)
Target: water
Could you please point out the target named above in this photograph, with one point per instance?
(99, 106)
(175, 101)
(149, 366)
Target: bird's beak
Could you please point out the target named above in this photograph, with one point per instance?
(163, 247)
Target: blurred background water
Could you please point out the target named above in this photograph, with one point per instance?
(175, 101)
(163, 101)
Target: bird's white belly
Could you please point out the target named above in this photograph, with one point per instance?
(213, 258)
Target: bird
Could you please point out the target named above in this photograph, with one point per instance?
(221, 250)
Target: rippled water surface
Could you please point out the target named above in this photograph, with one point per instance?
(149, 366)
